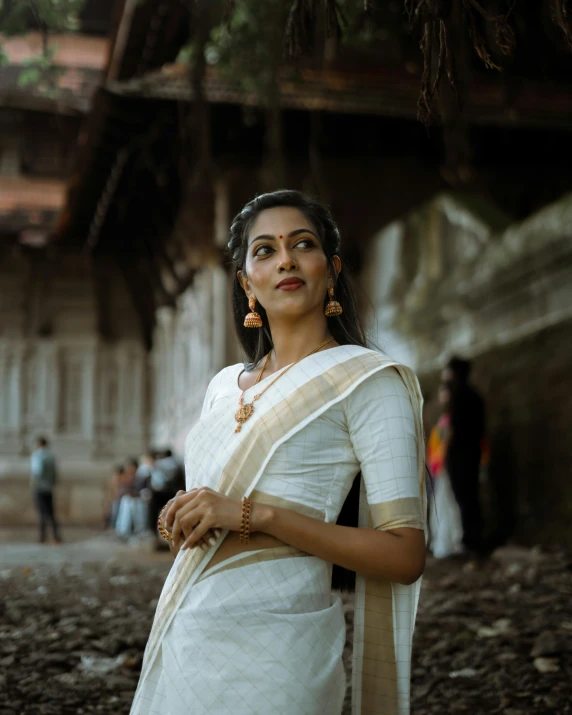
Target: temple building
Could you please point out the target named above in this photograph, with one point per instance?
(114, 285)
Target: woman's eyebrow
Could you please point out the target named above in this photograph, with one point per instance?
(268, 237)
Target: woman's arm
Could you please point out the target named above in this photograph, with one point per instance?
(397, 555)
(381, 427)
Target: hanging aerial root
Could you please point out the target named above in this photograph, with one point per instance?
(425, 102)
(435, 15)
(563, 17)
(504, 34)
(299, 25)
(334, 19)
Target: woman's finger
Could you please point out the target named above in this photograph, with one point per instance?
(209, 539)
(182, 499)
(186, 519)
(196, 535)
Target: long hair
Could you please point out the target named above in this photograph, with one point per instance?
(346, 328)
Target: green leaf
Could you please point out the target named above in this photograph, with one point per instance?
(28, 77)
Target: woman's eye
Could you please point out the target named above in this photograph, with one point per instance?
(308, 243)
(262, 251)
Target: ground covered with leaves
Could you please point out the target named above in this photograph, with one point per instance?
(491, 638)
(495, 637)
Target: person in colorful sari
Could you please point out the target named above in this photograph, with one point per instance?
(445, 516)
(305, 471)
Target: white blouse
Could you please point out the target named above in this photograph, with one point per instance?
(371, 430)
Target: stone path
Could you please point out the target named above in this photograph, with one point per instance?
(74, 621)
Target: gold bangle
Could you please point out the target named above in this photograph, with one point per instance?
(161, 529)
(245, 520)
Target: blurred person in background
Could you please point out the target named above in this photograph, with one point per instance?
(464, 449)
(44, 476)
(445, 517)
(167, 477)
(113, 496)
(132, 511)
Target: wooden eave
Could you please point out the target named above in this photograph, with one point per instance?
(144, 37)
(383, 93)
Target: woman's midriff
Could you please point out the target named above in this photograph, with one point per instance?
(231, 546)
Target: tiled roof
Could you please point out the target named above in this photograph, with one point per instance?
(24, 194)
(71, 50)
(79, 59)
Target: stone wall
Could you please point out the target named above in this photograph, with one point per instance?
(97, 401)
(59, 379)
(456, 277)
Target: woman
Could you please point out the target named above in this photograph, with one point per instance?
(445, 515)
(247, 622)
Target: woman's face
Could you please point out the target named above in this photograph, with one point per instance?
(286, 269)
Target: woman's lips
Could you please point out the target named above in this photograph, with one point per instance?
(290, 284)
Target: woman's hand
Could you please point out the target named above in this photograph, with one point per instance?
(194, 515)
(207, 540)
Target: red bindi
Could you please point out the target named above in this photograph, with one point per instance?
(279, 236)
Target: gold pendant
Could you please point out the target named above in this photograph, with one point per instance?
(243, 414)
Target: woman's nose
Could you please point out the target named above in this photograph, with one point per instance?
(287, 262)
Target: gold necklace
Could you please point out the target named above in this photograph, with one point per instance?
(245, 409)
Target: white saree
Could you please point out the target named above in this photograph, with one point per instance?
(260, 632)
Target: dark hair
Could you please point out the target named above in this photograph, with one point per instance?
(42, 441)
(166, 453)
(346, 329)
(119, 469)
(131, 462)
(460, 368)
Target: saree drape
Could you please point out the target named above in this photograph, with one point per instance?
(234, 463)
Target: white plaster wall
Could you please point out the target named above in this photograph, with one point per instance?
(479, 282)
(190, 345)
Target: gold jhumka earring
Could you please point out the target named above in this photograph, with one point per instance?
(333, 308)
(253, 319)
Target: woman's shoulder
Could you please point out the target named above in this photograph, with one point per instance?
(224, 377)
(383, 391)
(381, 382)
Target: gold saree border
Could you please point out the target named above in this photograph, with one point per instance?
(246, 558)
(375, 683)
(407, 511)
(254, 449)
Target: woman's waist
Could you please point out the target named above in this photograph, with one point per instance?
(232, 547)
(278, 579)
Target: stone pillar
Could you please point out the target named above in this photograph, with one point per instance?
(219, 315)
(11, 418)
(89, 399)
(166, 322)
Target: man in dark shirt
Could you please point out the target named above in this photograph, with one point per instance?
(467, 412)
